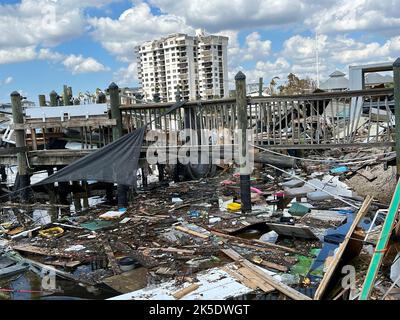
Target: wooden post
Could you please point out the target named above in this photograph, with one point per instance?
(241, 111)
(396, 81)
(50, 188)
(260, 86)
(53, 99)
(115, 112)
(42, 103)
(66, 97)
(85, 187)
(42, 100)
(122, 191)
(18, 118)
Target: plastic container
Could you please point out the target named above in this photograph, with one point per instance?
(270, 237)
(127, 264)
(233, 206)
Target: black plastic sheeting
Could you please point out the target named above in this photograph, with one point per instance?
(116, 162)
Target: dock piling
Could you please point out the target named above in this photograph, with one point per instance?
(18, 118)
(241, 111)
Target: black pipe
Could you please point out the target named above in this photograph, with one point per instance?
(122, 196)
(245, 193)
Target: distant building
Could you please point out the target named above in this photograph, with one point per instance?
(192, 67)
(131, 95)
(336, 82)
(27, 103)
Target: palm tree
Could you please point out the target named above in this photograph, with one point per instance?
(272, 85)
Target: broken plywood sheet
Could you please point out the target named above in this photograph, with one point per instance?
(128, 281)
(327, 216)
(294, 183)
(333, 185)
(299, 231)
(301, 191)
(214, 284)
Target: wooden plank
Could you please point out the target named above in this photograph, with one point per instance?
(335, 261)
(114, 265)
(381, 246)
(71, 123)
(290, 292)
(177, 250)
(133, 280)
(303, 232)
(254, 278)
(274, 266)
(254, 242)
(65, 264)
(185, 291)
(7, 151)
(191, 232)
(41, 251)
(240, 278)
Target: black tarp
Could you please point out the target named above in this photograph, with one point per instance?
(116, 162)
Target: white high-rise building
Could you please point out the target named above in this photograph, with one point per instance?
(192, 66)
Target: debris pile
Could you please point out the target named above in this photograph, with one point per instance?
(190, 240)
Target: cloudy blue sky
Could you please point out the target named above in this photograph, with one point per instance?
(89, 43)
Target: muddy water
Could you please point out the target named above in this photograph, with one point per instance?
(66, 290)
(28, 285)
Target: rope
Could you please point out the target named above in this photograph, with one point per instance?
(366, 159)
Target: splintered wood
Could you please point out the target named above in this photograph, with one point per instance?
(335, 261)
(185, 291)
(191, 232)
(111, 258)
(254, 273)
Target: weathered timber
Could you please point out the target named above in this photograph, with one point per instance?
(285, 289)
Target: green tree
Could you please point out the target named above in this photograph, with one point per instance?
(295, 85)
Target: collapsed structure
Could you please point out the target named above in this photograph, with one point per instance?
(288, 229)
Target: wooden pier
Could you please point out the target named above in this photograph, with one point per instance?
(313, 121)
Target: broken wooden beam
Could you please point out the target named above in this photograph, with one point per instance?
(338, 256)
(185, 291)
(255, 242)
(111, 258)
(285, 289)
(192, 232)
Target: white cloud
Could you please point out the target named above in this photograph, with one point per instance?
(43, 22)
(79, 64)
(126, 76)
(16, 54)
(39, 22)
(255, 47)
(76, 64)
(134, 26)
(218, 15)
(49, 55)
(8, 80)
(357, 15)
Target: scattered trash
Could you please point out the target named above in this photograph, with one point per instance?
(52, 232)
(298, 209)
(110, 215)
(270, 237)
(177, 201)
(77, 247)
(234, 206)
(342, 169)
